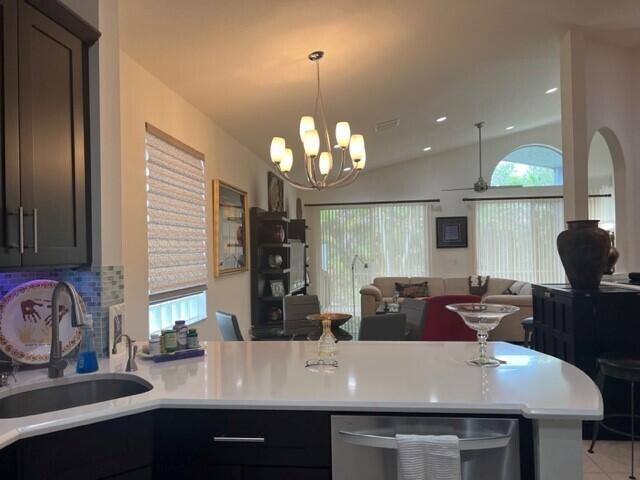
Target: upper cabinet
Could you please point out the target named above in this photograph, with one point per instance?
(45, 161)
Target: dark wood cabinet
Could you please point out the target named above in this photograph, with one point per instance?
(9, 140)
(180, 443)
(267, 307)
(577, 326)
(52, 143)
(118, 449)
(44, 178)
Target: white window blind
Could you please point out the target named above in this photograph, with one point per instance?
(392, 239)
(176, 217)
(604, 209)
(516, 239)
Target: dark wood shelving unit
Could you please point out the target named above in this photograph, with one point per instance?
(292, 249)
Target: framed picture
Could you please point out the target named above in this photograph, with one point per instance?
(277, 288)
(451, 232)
(276, 192)
(116, 325)
(230, 209)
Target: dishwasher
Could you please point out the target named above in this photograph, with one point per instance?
(364, 447)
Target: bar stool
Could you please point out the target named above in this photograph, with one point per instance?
(623, 367)
(527, 325)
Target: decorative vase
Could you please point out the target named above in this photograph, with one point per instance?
(277, 234)
(584, 251)
(275, 314)
(275, 261)
(613, 257)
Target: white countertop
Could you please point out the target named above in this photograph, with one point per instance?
(372, 376)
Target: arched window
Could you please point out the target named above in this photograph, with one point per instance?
(529, 166)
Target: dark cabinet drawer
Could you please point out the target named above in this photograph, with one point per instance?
(249, 438)
(145, 473)
(286, 473)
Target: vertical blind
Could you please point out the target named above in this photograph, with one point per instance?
(392, 239)
(516, 239)
(603, 209)
(176, 218)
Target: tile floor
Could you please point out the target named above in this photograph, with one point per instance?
(609, 461)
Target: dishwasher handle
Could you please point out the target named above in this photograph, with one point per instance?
(466, 444)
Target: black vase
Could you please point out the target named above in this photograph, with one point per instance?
(584, 251)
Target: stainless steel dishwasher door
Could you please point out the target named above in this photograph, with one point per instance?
(364, 447)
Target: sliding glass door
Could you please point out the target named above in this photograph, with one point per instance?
(391, 239)
(516, 239)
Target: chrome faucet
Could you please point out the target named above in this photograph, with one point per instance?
(133, 349)
(57, 364)
(8, 368)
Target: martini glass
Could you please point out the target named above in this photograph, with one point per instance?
(482, 318)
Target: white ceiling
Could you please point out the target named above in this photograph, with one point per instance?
(244, 63)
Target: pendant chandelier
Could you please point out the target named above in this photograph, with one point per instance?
(321, 170)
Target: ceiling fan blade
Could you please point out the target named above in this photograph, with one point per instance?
(454, 189)
(509, 186)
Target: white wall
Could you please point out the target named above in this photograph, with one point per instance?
(610, 104)
(424, 178)
(145, 99)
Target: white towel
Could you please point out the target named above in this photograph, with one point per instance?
(428, 457)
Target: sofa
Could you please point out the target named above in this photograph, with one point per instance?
(510, 329)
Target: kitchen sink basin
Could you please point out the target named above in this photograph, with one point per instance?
(68, 393)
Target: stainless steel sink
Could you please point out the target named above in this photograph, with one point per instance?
(68, 393)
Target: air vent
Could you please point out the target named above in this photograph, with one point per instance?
(387, 125)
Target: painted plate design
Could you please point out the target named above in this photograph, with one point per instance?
(25, 322)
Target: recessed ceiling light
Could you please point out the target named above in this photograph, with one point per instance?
(510, 127)
(347, 169)
(426, 149)
(551, 90)
(441, 119)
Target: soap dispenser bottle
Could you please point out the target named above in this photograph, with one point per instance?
(87, 356)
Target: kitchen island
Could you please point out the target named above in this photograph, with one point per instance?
(391, 378)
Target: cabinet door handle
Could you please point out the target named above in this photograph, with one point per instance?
(35, 230)
(21, 228)
(239, 439)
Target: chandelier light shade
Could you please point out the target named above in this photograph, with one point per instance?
(277, 149)
(306, 123)
(343, 134)
(356, 148)
(325, 164)
(311, 142)
(287, 161)
(321, 171)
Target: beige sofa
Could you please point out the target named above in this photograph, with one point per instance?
(510, 329)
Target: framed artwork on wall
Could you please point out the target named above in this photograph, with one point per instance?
(277, 288)
(275, 192)
(230, 209)
(451, 232)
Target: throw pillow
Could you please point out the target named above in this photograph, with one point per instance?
(413, 290)
(478, 284)
(519, 288)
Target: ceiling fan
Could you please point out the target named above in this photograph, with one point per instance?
(481, 184)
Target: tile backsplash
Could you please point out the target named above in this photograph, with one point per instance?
(100, 288)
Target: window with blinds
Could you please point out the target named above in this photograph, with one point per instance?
(391, 239)
(176, 229)
(516, 239)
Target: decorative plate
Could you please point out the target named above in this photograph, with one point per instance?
(25, 322)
